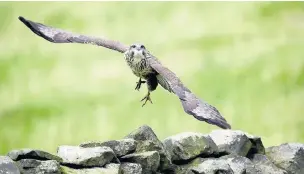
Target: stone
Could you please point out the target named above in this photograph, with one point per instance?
(107, 169)
(131, 168)
(186, 168)
(86, 157)
(288, 156)
(120, 147)
(149, 161)
(240, 164)
(212, 166)
(32, 154)
(226, 164)
(257, 146)
(231, 142)
(264, 165)
(30, 166)
(148, 141)
(8, 166)
(181, 170)
(112, 168)
(185, 146)
(143, 133)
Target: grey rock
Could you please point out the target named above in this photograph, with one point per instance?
(31, 166)
(112, 168)
(28, 163)
(87, 157)
(257, 146)
(264, 166)
(240, 164)
(227, 164)
(288, 156)
(107, 169)
(231, 141)
(32, 154)
(212, 166)
(186, 168)
(8, 166)
(188, 145)
(181, 170)
(148, 141)
(149, 161)
(120, 147)
(143, 133)
(131, 168)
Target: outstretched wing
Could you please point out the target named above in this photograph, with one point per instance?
(56, 35)
(192, 105)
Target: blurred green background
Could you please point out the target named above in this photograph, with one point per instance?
(245, 58)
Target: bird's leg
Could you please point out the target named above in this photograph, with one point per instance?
(138, 84)
(146, 98)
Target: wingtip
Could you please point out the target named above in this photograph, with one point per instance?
(22, 19)
(33, 27)
(220, 123)
(226, 126)
(223, 123)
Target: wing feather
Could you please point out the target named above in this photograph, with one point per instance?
(56, 35)
(192, 105)
(163, 82)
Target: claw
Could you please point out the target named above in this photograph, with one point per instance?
(146, 98)
(138, 84)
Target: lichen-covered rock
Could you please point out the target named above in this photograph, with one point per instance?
(229, 163)
(32, 154)
(264, 165)
(107, 169)
(288, 156)
(7, 166)
(149, 161)
(231, 142)
(186, 167)
(188, 145)
(240, 164)
(131, 168)
(143, 133)
(181, 170)
(212, 166)
(31, 166)
(148, 141)
(88, 157)
(120, 147)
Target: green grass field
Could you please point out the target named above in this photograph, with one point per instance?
(245, 58)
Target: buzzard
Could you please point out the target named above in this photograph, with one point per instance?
(144, 65)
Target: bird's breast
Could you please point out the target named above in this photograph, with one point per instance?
(139, 66)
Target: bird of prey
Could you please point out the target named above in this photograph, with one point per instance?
(144, 65)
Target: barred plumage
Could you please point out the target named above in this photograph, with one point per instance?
(136, 57)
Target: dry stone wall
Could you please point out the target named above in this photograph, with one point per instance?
(141, 152)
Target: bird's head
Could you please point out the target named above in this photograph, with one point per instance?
(137, 51)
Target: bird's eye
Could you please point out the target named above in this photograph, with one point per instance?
(142, 47)
(133, 46)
